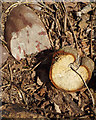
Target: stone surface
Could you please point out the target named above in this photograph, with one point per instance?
(25, 33)
(3, 54)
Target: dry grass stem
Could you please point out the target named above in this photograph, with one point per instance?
(93, 100)
(46, 6)
(11, 75)
(26, 82)
(91, 47)
(76, 41)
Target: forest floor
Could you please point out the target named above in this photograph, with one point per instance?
(26, 88)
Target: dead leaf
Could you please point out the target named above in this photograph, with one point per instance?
(57, 108)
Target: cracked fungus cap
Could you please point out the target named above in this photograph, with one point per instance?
(25, 33)
(67, 77)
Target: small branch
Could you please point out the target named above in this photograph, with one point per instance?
(50, 38)
(3, 67)
(46, 6)
(11, 76)
(32, 69)
(75, 38)
(91, 37)
(2, 40)
(93, 101)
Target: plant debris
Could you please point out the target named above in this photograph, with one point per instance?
(26, 88)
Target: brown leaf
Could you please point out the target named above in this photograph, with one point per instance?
(42, 91)
(57, 108)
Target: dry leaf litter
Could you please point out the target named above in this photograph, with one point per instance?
(26, 89)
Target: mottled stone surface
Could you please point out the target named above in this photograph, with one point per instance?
(3, 54)
(25, 33)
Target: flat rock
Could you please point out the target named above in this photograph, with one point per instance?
(25, 33)
(3, 54)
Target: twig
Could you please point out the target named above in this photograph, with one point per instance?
(4, 73)
(2, 40)
(32, 69)
(65, 23)
(11, 73)
(46, 6)
(12, 6)
(3, 67)
(36, 66)
(91, 37)
(50, 38)
(5, 46)
(93, 101)
(75, 38)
